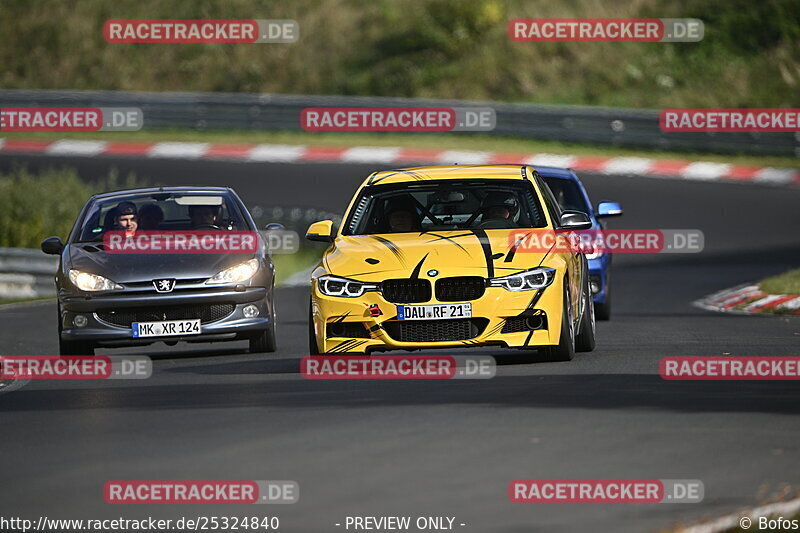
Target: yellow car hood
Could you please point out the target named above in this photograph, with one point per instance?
(486, 253)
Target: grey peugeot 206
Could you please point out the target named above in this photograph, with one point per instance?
(180, 280)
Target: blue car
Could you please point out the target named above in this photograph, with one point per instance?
(571, 195)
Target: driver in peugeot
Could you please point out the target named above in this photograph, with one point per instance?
(204, 216)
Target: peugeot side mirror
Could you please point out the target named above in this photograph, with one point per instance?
(52, 246)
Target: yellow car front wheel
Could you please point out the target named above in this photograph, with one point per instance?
(565, 349)
(313, 347)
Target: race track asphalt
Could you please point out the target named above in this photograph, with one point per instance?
(435, 448)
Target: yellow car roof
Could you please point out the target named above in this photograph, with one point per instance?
(409, 175)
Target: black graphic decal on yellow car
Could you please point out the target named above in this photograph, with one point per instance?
(448, 239)
(346, 345)
(339, 318)
(368, 272)
(486, 245)
(529, 310)
(528, 338)
(513, 250)
(375, 180)
(496, 329)
(392, 247)
(415, 272)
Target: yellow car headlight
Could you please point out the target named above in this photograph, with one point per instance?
(235, 274)
(346, 288)
(86, 281)
(537, 278)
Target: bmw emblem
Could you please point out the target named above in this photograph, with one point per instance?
(433, 273)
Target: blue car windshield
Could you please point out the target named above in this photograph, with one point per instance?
(567, 193)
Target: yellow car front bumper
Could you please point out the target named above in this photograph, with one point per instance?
(348, 325)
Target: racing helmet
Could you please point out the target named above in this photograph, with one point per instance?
(500, 199)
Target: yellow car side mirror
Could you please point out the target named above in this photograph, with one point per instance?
(322, 231)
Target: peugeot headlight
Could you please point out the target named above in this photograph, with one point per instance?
(86, 281)
(235, 274)
(346, 288)
(538, 278)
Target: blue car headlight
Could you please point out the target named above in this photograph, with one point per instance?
(594, 255)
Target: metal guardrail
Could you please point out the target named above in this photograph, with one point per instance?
(26, 273)
(276, 112)
(292, 217)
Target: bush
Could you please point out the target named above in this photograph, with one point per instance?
(750, 56)
(33, 207)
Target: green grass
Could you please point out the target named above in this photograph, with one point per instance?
(438, 141)
(36, 206)
(786, 283)
(24, 300)
(288, 264)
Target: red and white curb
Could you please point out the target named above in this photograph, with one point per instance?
(284, 153)
(749, 299)
(746, 519)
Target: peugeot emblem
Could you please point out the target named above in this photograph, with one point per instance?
(164, 285)
(433, 273)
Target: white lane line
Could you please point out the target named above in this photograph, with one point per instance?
(178, 150)
(367, 154)
(550, 160)
(276, 152)
(71, 147)
(705, 171)
(464, 157)
(628, 165)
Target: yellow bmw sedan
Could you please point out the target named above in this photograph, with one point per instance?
(431, 257)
